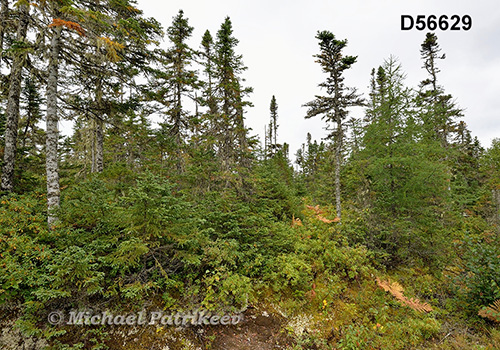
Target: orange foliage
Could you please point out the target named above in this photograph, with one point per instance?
(133, 9)
(397, 291)
(316, 209)
(320, 218)
(112, 48)
(318, 212)
(491, 312)
(111, 43)
(296, 222)
(57, 22)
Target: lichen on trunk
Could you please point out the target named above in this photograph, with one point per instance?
(52, 166)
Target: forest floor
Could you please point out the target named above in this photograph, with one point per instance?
(258, 331)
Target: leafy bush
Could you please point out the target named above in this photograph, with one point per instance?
(480, 269)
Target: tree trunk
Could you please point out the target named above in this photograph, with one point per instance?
(92, 146)
(495, 194)
(4, 11)
(242, 139)
(99, 132)
(53, 190)
(338, 163)
(99, 150)
(12, 112)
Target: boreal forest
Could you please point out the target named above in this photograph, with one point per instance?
(383, 235)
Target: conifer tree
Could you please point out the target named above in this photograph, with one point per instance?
(439, 111)
(56, 16)
(490, 166)
(333, 107)
(208, 63)
(180, 82)
(439, 114)
(32, 101)
(119, 39)
(273, 125)
(405, 182)
(14, 94)
(314, 161)
(388, 136)
(231, 133)
(466, 177)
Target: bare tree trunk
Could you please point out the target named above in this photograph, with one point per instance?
(12, 113)
(92, 145)
(338, 146)
(99, 133)
(338, 164)
(265, 142)
(99, 150)
(53, 190)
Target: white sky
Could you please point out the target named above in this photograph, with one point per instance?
(277, 41)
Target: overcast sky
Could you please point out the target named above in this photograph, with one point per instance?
(277, 41)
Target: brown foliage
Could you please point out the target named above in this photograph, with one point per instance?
(320, 218)
(316, 209)
(318, 212)
(57, 22)
(397, 291)
(296, 221)
(491, 312)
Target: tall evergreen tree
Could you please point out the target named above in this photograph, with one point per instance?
(334, 107)
(466, 177)
(56, 16)
(405, 182)
(180, 82)
(12, 112)
(208, 96)
(273, 125)
(315, 168)
(439, 111)
(105, 81)
(231, 133)
(490, 166)
(33, 114)
(439, 114)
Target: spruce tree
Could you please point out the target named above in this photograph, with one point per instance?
(231, 133)
(334, 106)
(180, 81)
(14, 94)
(490, 169)
(207, 61)
(466, 178)
(32, 101)
(439, 111)
(273, 125)
(104, 83)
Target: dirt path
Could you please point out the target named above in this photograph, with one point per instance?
(258, 331)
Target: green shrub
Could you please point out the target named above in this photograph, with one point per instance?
(480, 265)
